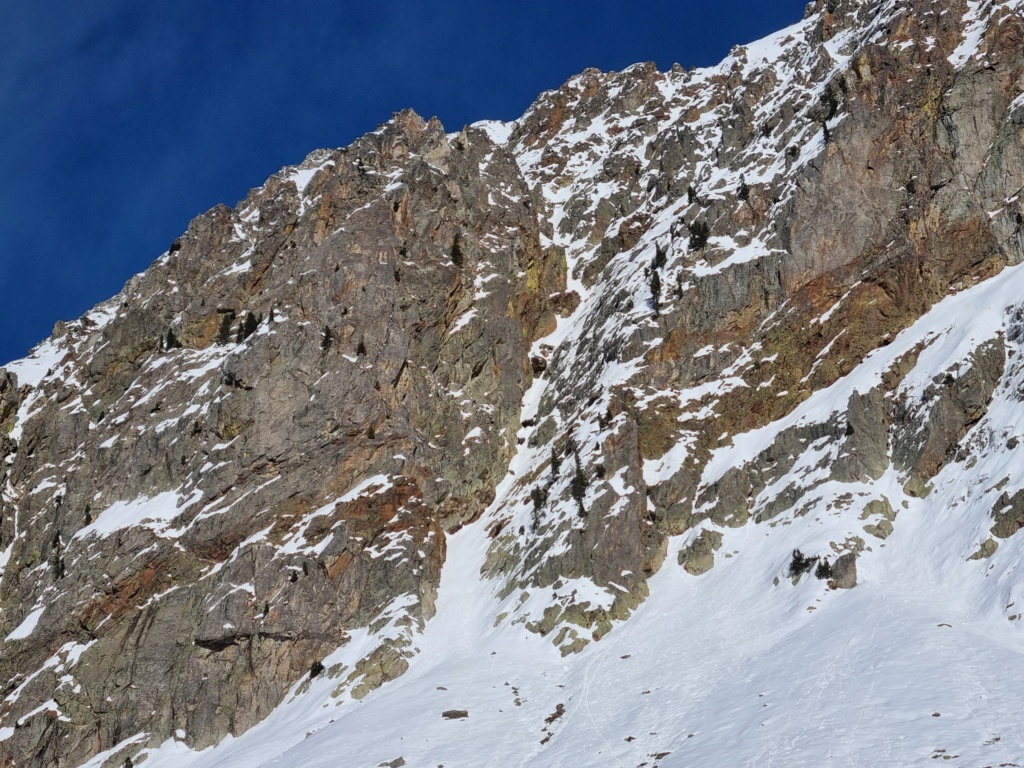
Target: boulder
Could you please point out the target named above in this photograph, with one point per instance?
(844, 572)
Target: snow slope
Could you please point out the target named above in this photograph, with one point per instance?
(736, 667)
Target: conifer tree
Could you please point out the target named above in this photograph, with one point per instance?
(659, 257)
(699, 233)
(456, 254)
(224, 329)
(578, 485)
(655, 292)
(247, 327)
(539, 496)
(831, 104)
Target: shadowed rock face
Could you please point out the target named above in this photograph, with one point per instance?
(215, 479)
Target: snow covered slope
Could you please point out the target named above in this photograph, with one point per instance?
(738, 666)
(497, 447)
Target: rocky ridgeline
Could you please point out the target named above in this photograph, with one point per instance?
(297, 400)
(649, 290)
(744, 236)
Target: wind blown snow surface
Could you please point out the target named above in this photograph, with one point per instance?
(736, 667)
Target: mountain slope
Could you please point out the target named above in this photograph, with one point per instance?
(709, 317)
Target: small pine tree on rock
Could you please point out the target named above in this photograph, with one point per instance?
(247, 327)
(824, 570)
(691, 195)
(656, 292)
(456, 254)
(744, 191)
(699, 234)
(326, 338)
(800, 563)
(660, 257)
(556, 461)
(539, 497)
(578, 485)
(831, 104)
(224, 327)
(57, 557)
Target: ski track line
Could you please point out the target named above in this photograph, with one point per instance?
(587, 682)
(875, 672)
(818, 688)
(892, 744)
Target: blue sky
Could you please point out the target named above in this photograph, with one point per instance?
(121, 120)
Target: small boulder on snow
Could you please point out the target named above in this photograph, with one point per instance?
(844, 572)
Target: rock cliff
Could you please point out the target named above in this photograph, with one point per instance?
(683, 302)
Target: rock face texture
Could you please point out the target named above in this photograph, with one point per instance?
(645, 289)
(259, 444)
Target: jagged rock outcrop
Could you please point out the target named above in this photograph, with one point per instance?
(256, 448)
(850, 172)
(651, 290)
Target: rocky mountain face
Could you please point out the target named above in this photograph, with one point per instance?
(680, 303)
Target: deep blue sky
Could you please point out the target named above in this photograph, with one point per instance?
(121, 120)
